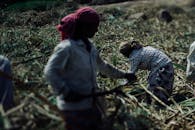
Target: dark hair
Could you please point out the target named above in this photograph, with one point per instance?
(135, 45)
(87, 22)
(127, 47)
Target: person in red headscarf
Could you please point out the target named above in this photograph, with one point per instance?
(72, 69)
(67, 26)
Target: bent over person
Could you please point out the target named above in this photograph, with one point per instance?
(161, 77)
(72, 68)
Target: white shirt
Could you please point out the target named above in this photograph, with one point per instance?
(190, 72)
(72, 67)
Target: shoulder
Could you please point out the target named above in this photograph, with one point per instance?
(149, 48)
(192, 45)
(4, 59)
(135, 53)
(63, 48)
(192, 49)
(63, 45)
(152, 49)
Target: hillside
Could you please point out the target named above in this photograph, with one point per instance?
(28, 36)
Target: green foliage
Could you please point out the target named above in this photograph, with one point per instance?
(39, 5)
(189, 103)
(1, 122)
(116, 12)
(136, 120)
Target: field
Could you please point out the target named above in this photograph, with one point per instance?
(28, 36)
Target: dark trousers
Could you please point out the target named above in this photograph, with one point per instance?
(89, 119)
(161, 83)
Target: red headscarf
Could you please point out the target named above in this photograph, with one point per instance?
(87, 22)
(67, 26)
(87, 15)
(70, 24)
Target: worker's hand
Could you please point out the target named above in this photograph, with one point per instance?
(130, 77)
(73, 97)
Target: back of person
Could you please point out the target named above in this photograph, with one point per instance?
(150, 58)
(6, 86)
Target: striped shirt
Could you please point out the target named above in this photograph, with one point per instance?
(147, 58)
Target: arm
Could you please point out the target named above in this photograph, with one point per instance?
(53, 70)
(109, 70)
(134, 62)
(113, 72)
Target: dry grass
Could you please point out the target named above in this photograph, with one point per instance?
(28, 38)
